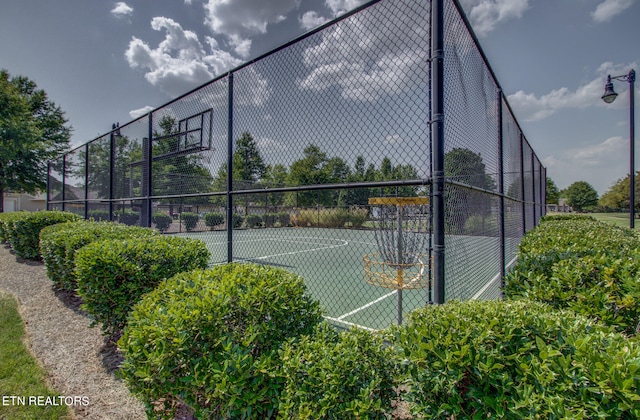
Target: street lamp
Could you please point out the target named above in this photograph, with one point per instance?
(610, 96)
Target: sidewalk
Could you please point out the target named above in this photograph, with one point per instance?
(59, 336)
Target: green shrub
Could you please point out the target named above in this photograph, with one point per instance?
(59, 243)
(253, 221)
(273, 219)
(329, 218)
(25, 230)
(210, 339)
(129, 217)
(357, 216)
(237, 220)
(588, 266)
(601, 286)
(99, 215)
(190, 220)
(516, 359)
(213, 219)
(337, 375)
(113, 274)
(162, 221)
(6, 224)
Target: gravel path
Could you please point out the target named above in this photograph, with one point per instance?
(60, 337)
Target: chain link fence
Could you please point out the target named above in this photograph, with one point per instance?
(318, 157)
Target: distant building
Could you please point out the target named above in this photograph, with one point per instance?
(24, 202)
(561, 207)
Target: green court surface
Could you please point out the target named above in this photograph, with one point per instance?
(330, 261)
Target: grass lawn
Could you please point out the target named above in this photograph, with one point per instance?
(20, 374)
(618, 219)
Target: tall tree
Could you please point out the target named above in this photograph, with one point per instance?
(617, 197)
(33, 130)
(552, 192)
(581, 195)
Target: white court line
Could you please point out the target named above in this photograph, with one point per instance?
(362, 308)
(351, 324)
(493, 280)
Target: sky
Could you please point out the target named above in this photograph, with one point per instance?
(106, 61)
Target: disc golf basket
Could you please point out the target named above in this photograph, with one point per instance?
(402, 226)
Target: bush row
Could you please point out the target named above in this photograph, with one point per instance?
(578, 263)
(331, 217)
(22, 229)
(59, 243)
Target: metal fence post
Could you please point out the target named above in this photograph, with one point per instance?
(523, 198)
(230, 172)
(112, 159)
(437, 135)
(86, 181)
(501, 226)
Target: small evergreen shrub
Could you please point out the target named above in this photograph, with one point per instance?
(357, 216)
(162, 221)
(237, 220)
(213, 219)
(6, 224)
(284, 218)
(129, 217)
(99, 215)
(59, 243)
(328, 218)
(210, 339)
(25, 230)
(253, 221)
(280, 219)
(190, 220)
(587, 266)
(113, 274)
(335, 375)
(516, 359)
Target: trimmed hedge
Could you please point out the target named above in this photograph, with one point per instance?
(59, 243)
(590, 267)
(162, 221)
(190, 220)
(210, 339)
(113, 274)
(516, 359)
(211, 220)
(24, 230)
(334, 375)
(6, 224)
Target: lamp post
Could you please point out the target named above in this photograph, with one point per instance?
(610, 96)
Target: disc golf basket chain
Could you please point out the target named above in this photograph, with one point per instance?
(402, 238)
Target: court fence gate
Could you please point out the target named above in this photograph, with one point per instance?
(279, 160)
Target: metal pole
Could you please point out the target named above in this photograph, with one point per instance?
(501, 225)
(632, 173)
(230, 172)
(437, 134)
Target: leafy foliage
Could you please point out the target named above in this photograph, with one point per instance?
(162, 221)
(113, 274)
(33, 130)
(516, 359)
(24, 230)
(190, 220)
(210, 339)
(337, 375)
(213, 219)
(590, 267)
(581, 195)
(59, 243)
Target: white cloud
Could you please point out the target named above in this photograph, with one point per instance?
(180, 62)
(359, 59)
(238, 20)
(610, 8)
(121, 10)
(484, 15)
(339, 7)
(135, 113)
(596, 164)
(311, 19)
(530, 107)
